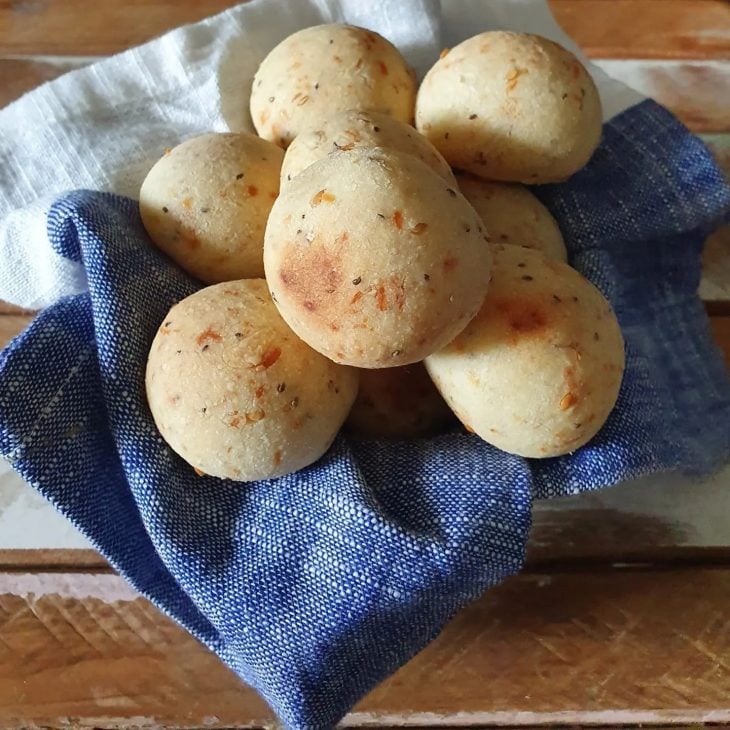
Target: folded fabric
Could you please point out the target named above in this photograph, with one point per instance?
(315, 586)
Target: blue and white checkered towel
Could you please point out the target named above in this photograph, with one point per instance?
(315, 586)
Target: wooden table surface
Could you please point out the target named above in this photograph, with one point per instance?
(621, 617)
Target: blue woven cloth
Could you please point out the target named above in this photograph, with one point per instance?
(315, 586)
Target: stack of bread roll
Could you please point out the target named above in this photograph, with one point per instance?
(367, 273)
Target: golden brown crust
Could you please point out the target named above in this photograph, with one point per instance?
(324, 69)
(511, 106)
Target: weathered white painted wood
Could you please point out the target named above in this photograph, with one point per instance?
(27, 521)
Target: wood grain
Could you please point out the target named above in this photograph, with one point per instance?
(17, 76)
(697, 92)
(53, 561)
(605, 28)
(556, 648)
(78, 27)
(647, 28)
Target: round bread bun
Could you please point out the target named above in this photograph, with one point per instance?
(397, 403)
(350, 129)
(205, 204)
(374, 260)
(236, 393)
(511, 106)
(513, 215)
(538, 370)
(322, 70)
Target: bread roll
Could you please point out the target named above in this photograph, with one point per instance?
(374, 260)
(511, 106)
(235, 393)
(397, 403)
(322, 70)
(205, 204)
(513, 215)
(350, 129)
(538, 370)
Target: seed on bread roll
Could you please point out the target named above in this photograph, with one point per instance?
(538, 370)
(374, 260)
(513, 215)
(236, 393)
(205, 204)
(511, 106)
(319, 71)
(397, 403)
(350, 129)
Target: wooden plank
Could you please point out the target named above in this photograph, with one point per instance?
(78, 27)
(647, 28)
(6, 308)
(605, 28)
(695, 91)
(611, 648)
(11, 325)
(53, 561)
(659, 521)
(17, 76)
(715, 284)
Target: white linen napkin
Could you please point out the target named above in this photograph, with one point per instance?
(103, 126)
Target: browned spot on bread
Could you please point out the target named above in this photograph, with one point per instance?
(344, 147)
(383, 68)
(469, 428)
(575, 69)
(398, 219)
(168, 151)
(191, 240)
(337, 59)
(187, 203)
(270, 356)
(174, 400)
(381, 298)
(513, 76)
(235, 421)
(522, 317)
(255, 416)
(277, 457)
(568, 401)
(208, 335)
(199, 472)
(311, 273)
(399, 292)
(419, 228)
(344, 237)
(264, 116)
(444, 52)
(273, 195)
(259, 391)
(321, 196)
(252, 190)
(356, 297)
(449, 264)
